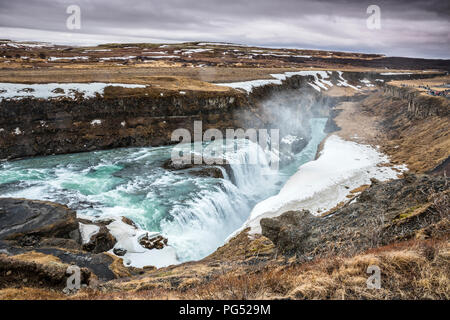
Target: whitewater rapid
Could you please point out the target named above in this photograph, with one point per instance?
(195, 213)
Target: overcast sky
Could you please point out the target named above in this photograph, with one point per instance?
(408, 28)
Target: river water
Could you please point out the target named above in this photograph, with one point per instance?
(195, 213)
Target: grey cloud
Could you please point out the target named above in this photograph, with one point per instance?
(410, 28)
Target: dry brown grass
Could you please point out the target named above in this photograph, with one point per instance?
(409, 270)
(360, 189)
(26, 293)
(37, 257)
(122, 74)
(434, 83)
(421, 144)
(441, 203)
(407, 273)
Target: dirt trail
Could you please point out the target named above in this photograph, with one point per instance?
(356, 124)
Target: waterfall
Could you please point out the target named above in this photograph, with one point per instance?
(195, 213)
(200, 225)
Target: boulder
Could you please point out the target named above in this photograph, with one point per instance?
(30, 220)
(119, 252)
(384, 213)
(102, 241)
(129, 222)
(157, 242)
(213, 172)
(203, 170)
(290, 232)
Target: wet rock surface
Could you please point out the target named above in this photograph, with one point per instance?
(95, 264)
(29, 220)
(197, 167)
(213, 172)
(39, 240)
(119, 252)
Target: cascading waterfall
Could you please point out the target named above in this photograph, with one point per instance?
(195, 213)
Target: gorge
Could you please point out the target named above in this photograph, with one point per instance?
(103, 152)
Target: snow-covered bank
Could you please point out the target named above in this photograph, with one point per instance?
(322, 80)
(128, 239)
(54, 90)
(318, 83)
(321, 184)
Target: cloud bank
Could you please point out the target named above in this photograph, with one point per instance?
(408, 28)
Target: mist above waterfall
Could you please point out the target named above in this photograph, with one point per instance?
(291, 110)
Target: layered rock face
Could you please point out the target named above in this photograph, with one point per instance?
(33, 127)
(419, 105)
(130, 117)
(20, 218)
(39, 240)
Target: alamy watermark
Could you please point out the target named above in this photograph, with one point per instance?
(373, 22)
(210, 147)
(73, 21)
(73, 282)
(374, 281)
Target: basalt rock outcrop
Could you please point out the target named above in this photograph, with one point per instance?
(150, 243)
(387, 212)
(33, 127)
(420, 106)
(22, 219)
(127, 117)
(39, 240)
(198, 167)
(101, 241)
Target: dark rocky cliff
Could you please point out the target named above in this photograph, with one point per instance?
(124, 118)
(31, 127)
(419, 105)
(140, 117)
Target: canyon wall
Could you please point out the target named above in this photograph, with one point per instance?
(420, 105)
(124, 118)
(129, 117)
(31, 127)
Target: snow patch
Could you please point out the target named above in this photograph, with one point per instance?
(87, 231)
(191, 51)
(319, 82)
(250, 85)
(68, 58)
(117, 58)
(48, 90)
(137, 256)
(320, 185)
